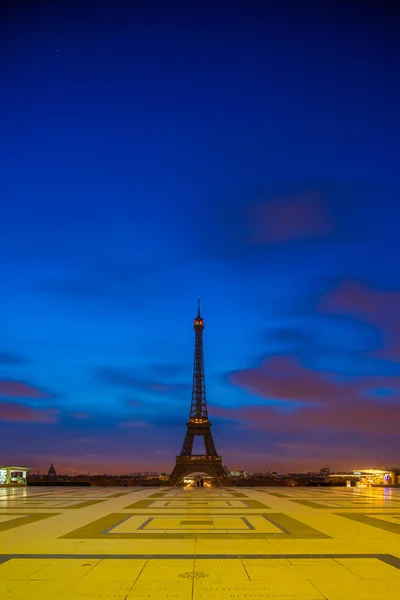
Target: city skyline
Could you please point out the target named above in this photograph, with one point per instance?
(247, 157)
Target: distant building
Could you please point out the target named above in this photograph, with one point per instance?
(366, 477)
(237, 473)
(51, 474)
(13, 476)
(324, 471)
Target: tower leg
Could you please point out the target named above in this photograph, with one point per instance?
(209, 444)
(187, 444)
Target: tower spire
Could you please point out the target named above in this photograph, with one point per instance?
(198, 408)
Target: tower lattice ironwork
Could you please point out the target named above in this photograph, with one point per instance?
(198, 423)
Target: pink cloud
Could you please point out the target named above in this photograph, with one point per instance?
(80, 415)
(18, 389)
(12, 411)
(161, 388)
(380, 308)
(134, 424)
(286, 219)
(285, 378)
(165, 388)
(336, 405)
(218, 411)
(132, 402)
(361, 417)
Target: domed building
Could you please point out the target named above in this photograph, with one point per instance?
(51, 475)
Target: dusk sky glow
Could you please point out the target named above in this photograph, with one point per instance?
(243, 153)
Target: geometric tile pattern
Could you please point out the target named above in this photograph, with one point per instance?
(49, 503)
(199, 544)
(222, 526)
(386, 522)
(346, 503)
(209, 504)
(12, 520)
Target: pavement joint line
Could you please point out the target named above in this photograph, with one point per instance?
(145, 523)
(390, 559)
(116, 524)
(247, 522)
(276, 524)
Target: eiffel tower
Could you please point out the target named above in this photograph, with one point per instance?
(198, 423)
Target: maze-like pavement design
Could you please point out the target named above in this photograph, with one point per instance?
(192, 544)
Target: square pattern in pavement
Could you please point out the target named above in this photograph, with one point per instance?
(199, 544)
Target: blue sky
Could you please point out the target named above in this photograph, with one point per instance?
(243, 154)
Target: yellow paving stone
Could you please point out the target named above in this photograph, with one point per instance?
(129, 525)
(60, 573)
(98, 591)
(221, 570)
(186, 563)
(18, 572)
(266, 573)
(6, 518)
(358, 561)
(232, 546)
(268, 562)
(248, 590)
(289, 546)
(357, 590)
(329, 571)
(221, 576)
(312, 561)
(263, 525)
(180, 524)
(165, 590)
(166, 573)
(25, 562)
(4, 587)
(123, 562)
(389, 518)
(380, 571)
(155, 546)
(212, 504)
(61, 562)
(74, 562)
(113, 573)
(33, 590)
(229, 523)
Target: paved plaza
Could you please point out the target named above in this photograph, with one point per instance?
(199, 544)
